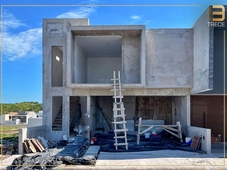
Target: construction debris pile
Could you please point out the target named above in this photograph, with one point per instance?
(9, 148)
(33, 145)
(50, 154)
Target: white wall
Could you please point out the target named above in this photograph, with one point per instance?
(32, 122)
(205, 134)
(80, 67)
(100, 70)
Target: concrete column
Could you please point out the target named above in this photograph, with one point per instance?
(188, 106)
(22, 137)
(65, 115)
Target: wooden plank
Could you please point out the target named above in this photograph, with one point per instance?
(40, 145)
(195, 142)
(31, 146)
(37, 147)
(26, 147)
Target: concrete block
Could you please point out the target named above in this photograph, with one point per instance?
(93, 150)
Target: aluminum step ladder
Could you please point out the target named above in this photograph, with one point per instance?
(119, 122)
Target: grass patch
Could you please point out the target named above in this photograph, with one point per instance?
(10, 131)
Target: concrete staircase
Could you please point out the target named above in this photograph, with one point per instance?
(57, 124)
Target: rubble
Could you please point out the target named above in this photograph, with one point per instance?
(72, 153)
(9, 148)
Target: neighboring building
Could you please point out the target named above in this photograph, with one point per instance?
(39, 114)
(11, 114)
(23, 116)
(160, 70)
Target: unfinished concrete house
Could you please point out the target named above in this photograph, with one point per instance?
(160, 69)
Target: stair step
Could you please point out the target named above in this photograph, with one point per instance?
(120, 144)
(120, 130)
(118, 137)
(120, 122)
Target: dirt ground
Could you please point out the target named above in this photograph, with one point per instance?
(2, 157)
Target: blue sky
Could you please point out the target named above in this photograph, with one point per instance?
(21, 25)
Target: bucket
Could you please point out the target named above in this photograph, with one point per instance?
(147, 135)
(93, 140)
(188, 140)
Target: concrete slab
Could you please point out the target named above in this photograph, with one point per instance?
(157, 158)
(93, 150)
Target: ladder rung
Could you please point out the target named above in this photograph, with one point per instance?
(123, 115)
(121, 144)
(117, 89)
(117, 96)
(115, 79)
(117, 84)
(119, 122)
(117, 137)
(118, 103)
(118, 109)
(120, 130)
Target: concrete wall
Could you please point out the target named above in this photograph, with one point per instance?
(181, 109)
(100, 70)
(169, 60)
(131, 60)
(32, 122)
(55, 34)
(2, 119)
(203, 55)
(80, 67)
(33, 132)
(205, 135)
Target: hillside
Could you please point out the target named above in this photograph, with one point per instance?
(23, 106)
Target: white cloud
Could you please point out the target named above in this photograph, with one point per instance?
(9, 21)
(82, 12)
(135, 17)
(28, 43)
(23, 44)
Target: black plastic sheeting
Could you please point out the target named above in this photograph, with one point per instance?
(69, 154)
(162, 141)
(46, 163)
